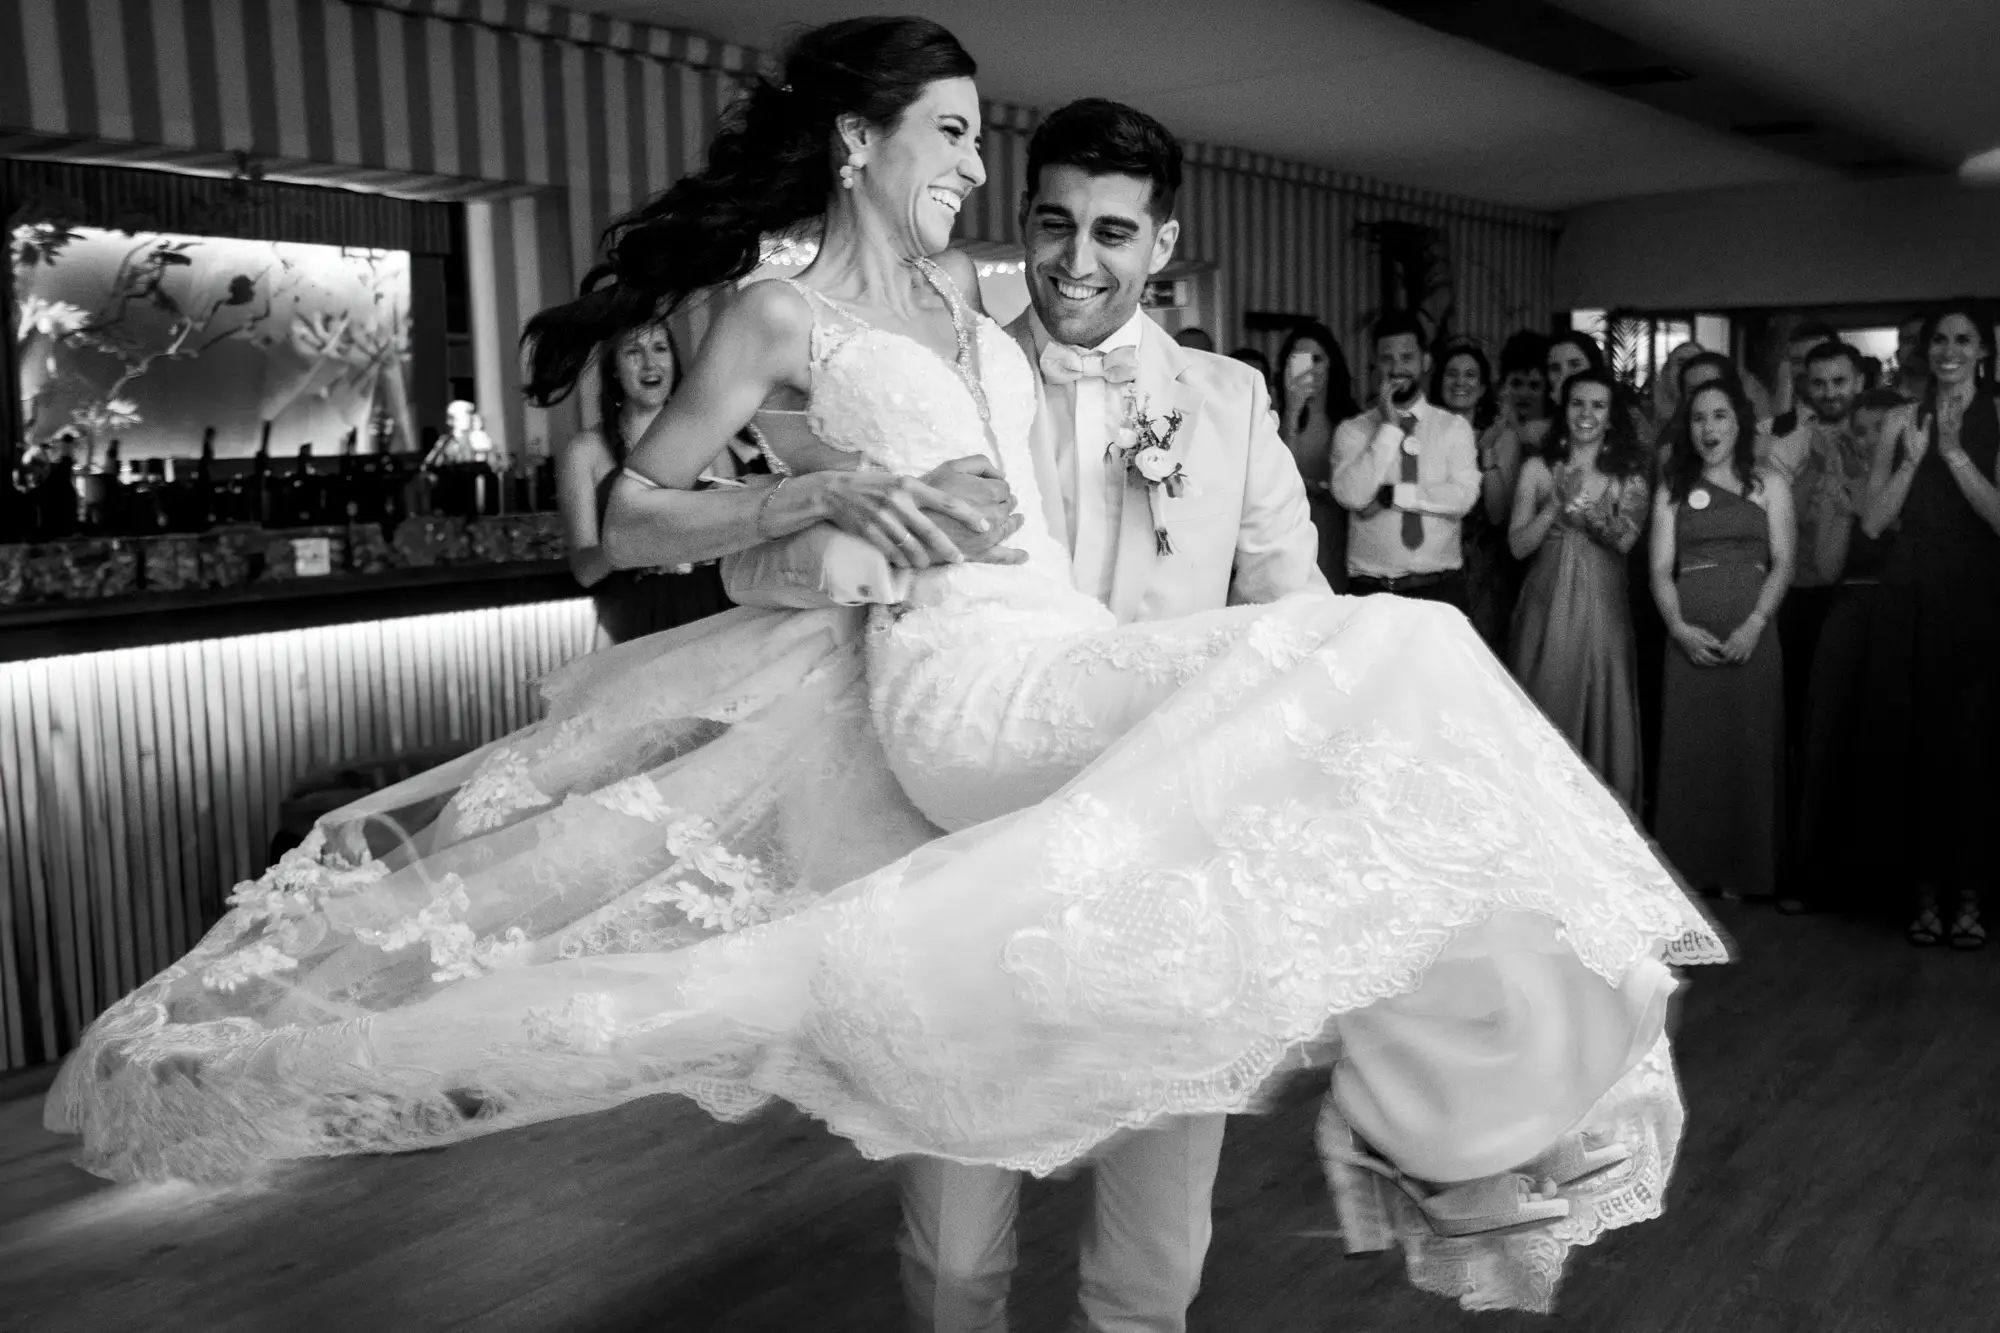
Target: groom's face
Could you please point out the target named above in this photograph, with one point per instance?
(1092, 242)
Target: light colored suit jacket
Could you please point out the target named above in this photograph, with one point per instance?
(1241, 528)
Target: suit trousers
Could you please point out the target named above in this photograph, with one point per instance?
(1143, 1245)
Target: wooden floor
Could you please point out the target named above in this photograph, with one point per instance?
(1842, 1172)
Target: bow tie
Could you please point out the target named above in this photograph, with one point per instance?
(1062, 364)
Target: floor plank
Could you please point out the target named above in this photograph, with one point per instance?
(1840, 1176)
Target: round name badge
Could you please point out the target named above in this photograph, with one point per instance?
(1698, 499)
(1410, 445)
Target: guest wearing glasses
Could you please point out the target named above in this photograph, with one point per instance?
(1407, 472)
(1314, 394)
(1722, 551)
(1578, 511)
(1938, 486)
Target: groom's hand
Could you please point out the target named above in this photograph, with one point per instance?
(978, 483)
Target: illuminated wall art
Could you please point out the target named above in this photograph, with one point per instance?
(150, 338)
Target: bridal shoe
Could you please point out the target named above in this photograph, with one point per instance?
(1576, 1158)
(1491, 1205)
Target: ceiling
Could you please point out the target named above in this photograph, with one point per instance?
(1353, 86)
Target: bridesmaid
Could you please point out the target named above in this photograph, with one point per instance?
(1936, 486)
(1315, 393)
(1578, 510)
(1722, 558)
(639, 370)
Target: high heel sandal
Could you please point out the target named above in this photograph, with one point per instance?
(1966, 931)
(1492, 1205)
(1576, 1158)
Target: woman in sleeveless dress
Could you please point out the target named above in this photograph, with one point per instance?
(639, 370)
(1722, 556)
(1188, 855)
(1315, 393)
(1579, 508)
(1937, 488)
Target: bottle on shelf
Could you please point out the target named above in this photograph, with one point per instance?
(206, 501)
(304, 502)
(260, 506)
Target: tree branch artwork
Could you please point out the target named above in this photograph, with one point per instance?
(144, 281)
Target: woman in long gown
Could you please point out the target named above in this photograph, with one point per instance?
(1722, 557)
(1579, 508)
(1189, 853)
(1938, 621)
(1314, 394)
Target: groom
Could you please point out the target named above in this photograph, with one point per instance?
(1097, 219)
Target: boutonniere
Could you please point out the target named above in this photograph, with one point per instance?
(1145, 445)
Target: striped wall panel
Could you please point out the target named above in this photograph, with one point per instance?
(138, 786)
(555, 122)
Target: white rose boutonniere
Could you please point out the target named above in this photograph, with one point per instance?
(1146, 446)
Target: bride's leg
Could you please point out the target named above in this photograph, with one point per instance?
(983, 729)
(1502, 1050)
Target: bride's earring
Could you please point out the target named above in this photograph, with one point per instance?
(850, 172)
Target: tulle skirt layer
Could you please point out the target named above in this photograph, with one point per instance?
(1342, 835)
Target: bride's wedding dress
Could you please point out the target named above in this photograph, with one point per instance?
(1185, 852)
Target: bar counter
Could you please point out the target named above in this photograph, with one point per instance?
(149, 738)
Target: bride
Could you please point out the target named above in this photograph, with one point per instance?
(1184, 856)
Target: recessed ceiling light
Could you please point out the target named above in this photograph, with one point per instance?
(1981, 168)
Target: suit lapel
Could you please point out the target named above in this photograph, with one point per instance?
(1162, 364)
(1041, 441)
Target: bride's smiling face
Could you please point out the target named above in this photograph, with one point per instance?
(917, 175)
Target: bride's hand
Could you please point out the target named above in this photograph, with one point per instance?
(977, 482)
(886, 510)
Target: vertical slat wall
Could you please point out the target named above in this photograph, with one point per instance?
(554, 122)
(138, 786)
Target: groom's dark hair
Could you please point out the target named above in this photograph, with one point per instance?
(1108, 138)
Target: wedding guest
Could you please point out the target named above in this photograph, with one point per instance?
(1579, 508)
(1524, 391)
(638, 371)
(1314, 394)
(1195, 339)
(1913, 365)
(1663, 398)
(1722, 550)
(1938, 483)
(1822, 461)
(1462, 383)
(1255, 359)
(1407, 472)
(1790, 403)
(1842, 849)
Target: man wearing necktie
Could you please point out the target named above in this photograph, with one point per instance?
(1097, 222)
(1408, 472)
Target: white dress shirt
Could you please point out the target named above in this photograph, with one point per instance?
(1367, 455)
(1086, 415)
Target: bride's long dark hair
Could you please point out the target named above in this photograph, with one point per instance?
(769, 168)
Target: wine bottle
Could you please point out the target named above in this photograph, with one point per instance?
(208, 504)
(303, 501)
(260, 496)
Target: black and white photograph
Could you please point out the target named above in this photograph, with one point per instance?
(1073, 666)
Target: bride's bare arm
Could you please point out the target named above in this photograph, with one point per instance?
(758, 345)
